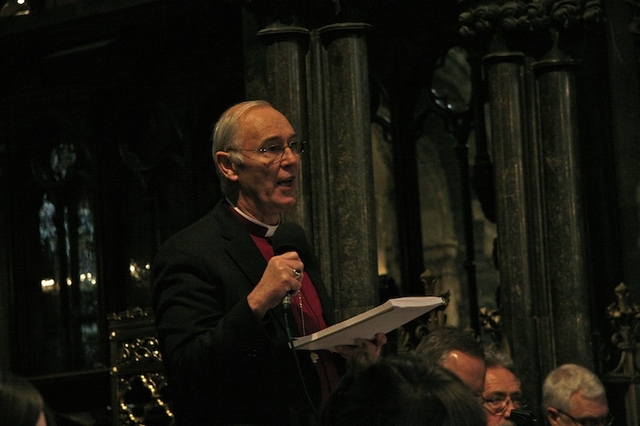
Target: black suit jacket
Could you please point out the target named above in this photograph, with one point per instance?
(223, 365)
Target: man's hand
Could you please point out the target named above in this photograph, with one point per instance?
(364, 351)
(278, 279)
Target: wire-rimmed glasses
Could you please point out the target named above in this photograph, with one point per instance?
(589, 421)
(274, 153)
(496, 404)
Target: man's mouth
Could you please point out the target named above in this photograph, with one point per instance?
(286, 182)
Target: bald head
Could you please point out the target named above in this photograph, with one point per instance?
(459, 352)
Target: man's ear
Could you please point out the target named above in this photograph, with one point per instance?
(226, 166)
(553, 416)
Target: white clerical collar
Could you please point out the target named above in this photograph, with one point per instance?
(271, 229)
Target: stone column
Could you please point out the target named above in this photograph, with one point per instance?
(350, 167)
(318, 77)
(286, 49)
(564, 232)
(283, 65)
(276, 51)
(488, 27)
(509, 113)
(534, 137)
(564, 227)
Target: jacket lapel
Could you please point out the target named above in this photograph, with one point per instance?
(240, 246)
(246, 255)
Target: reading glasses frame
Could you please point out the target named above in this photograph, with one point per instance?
(497, 404)
(589, 421)
(275, 152)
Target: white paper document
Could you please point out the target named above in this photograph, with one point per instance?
(381, 319)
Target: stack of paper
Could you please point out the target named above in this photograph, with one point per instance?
(381, 319)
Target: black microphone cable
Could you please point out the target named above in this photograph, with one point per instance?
(286, 307)
(291, 237)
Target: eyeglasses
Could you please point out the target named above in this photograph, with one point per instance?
(589, 421)
(498, 403)
(274, 153)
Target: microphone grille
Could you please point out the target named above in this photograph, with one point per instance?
(288, 237)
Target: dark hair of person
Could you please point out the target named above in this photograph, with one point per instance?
(441, 341)
(20, 402)
(495, 357)
(402, 390)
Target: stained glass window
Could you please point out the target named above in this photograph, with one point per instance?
(68, 282)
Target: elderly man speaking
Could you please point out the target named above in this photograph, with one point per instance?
(219, 286)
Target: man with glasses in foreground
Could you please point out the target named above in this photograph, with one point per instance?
(573, 395)
(220, 283)
(502, 392)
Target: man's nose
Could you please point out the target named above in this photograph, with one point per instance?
(289, 156)
(507, 410)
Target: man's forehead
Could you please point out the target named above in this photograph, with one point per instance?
(266, 124)
(278, 139)
(501, 375)
(584, 407)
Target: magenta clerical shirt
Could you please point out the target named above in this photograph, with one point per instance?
(305, 308)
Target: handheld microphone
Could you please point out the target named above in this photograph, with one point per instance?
(288, 237)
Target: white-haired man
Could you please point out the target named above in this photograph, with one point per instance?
(573, 395)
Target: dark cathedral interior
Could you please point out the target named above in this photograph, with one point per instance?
(482, 150)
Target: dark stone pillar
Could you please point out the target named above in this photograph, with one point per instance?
(318, 77)
(348, 146)
(505, 74)
(492, 27)
(286, 48)
(276, 49)
(567, 280)
(564, 225)
(534, 138)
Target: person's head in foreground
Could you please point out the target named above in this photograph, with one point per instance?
(457, 351)
(402, 390)
(21, 403)
(573, 395)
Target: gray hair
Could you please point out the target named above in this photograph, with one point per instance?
(494, 357)
(227, 133)
(565, 381)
